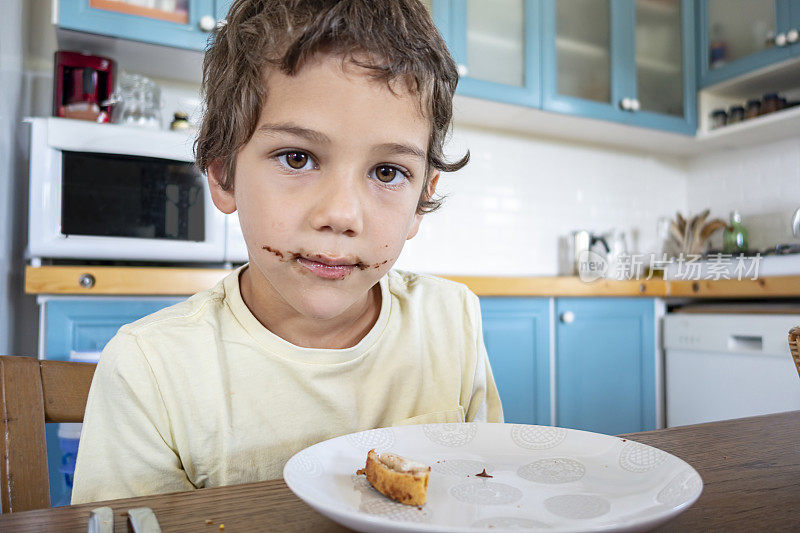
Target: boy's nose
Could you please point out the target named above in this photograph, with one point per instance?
(339, 208)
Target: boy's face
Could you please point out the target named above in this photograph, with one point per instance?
(327, 187)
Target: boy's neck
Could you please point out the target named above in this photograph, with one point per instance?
(344, 331)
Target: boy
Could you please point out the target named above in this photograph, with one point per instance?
(324, 128)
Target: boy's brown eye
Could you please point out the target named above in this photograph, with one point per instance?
(386, 174)
(297, 160)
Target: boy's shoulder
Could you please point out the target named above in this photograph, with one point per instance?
(411, 285)
(194, 310)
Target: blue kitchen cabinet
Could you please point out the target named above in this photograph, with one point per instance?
(628, 61)
(496, 46)
(739, 36)
(605, 353)
(83, 325)
(516, 332)
(163, 23)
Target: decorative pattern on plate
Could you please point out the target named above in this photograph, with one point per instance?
(460, 467)
(537, 437)
(304, 464)
(373, 502)
(637, 457)
(452, 435)
(581, 506)
(361, 484)
(681, 489)
(510, 522)
(380, 439)
(485, 493)
(552, 470)
(383, 506)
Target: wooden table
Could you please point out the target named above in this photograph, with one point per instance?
(750, 467)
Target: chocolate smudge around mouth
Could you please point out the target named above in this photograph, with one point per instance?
(273, 251)
(293, 256)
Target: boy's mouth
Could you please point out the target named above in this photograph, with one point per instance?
(328, 268)
(325, 266)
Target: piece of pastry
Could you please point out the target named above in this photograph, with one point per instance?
(398, 478)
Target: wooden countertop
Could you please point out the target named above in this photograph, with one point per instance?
(749, 467)
(106, 280)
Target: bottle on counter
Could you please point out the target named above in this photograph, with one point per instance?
(734, 238)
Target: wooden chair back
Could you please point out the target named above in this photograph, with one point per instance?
(33, 392)
(794, 344)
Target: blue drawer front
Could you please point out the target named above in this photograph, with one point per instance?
(86, 325)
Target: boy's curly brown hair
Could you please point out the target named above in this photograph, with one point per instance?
(394, 39)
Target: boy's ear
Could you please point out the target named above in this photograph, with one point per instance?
(224, 200)
(417, 216)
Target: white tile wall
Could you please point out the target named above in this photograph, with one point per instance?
(507, 209)
(762, 183)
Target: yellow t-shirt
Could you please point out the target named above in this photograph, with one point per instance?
(200, 394)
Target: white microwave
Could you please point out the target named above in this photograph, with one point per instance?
(104, 191)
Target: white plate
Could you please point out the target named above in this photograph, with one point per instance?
(545, 478)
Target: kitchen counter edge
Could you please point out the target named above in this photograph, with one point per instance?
(134, 281)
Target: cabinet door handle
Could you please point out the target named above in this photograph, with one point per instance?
(567, 317)
(207, 23)
(792, 36)
(626, 104)
(462, 70)
(635, 106)
(780, 39)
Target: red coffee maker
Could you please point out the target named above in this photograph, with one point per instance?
(83, 83)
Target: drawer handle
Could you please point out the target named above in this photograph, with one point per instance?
(567, 317)
(86, 281)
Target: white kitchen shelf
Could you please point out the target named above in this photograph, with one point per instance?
(767, 128)
(475, 112)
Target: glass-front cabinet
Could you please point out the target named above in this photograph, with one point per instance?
(579, 73)
(177, 23)
(738, 36)
(664, 65)
(496, 46)
(622, 60)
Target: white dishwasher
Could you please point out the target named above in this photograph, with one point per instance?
(728, 365)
